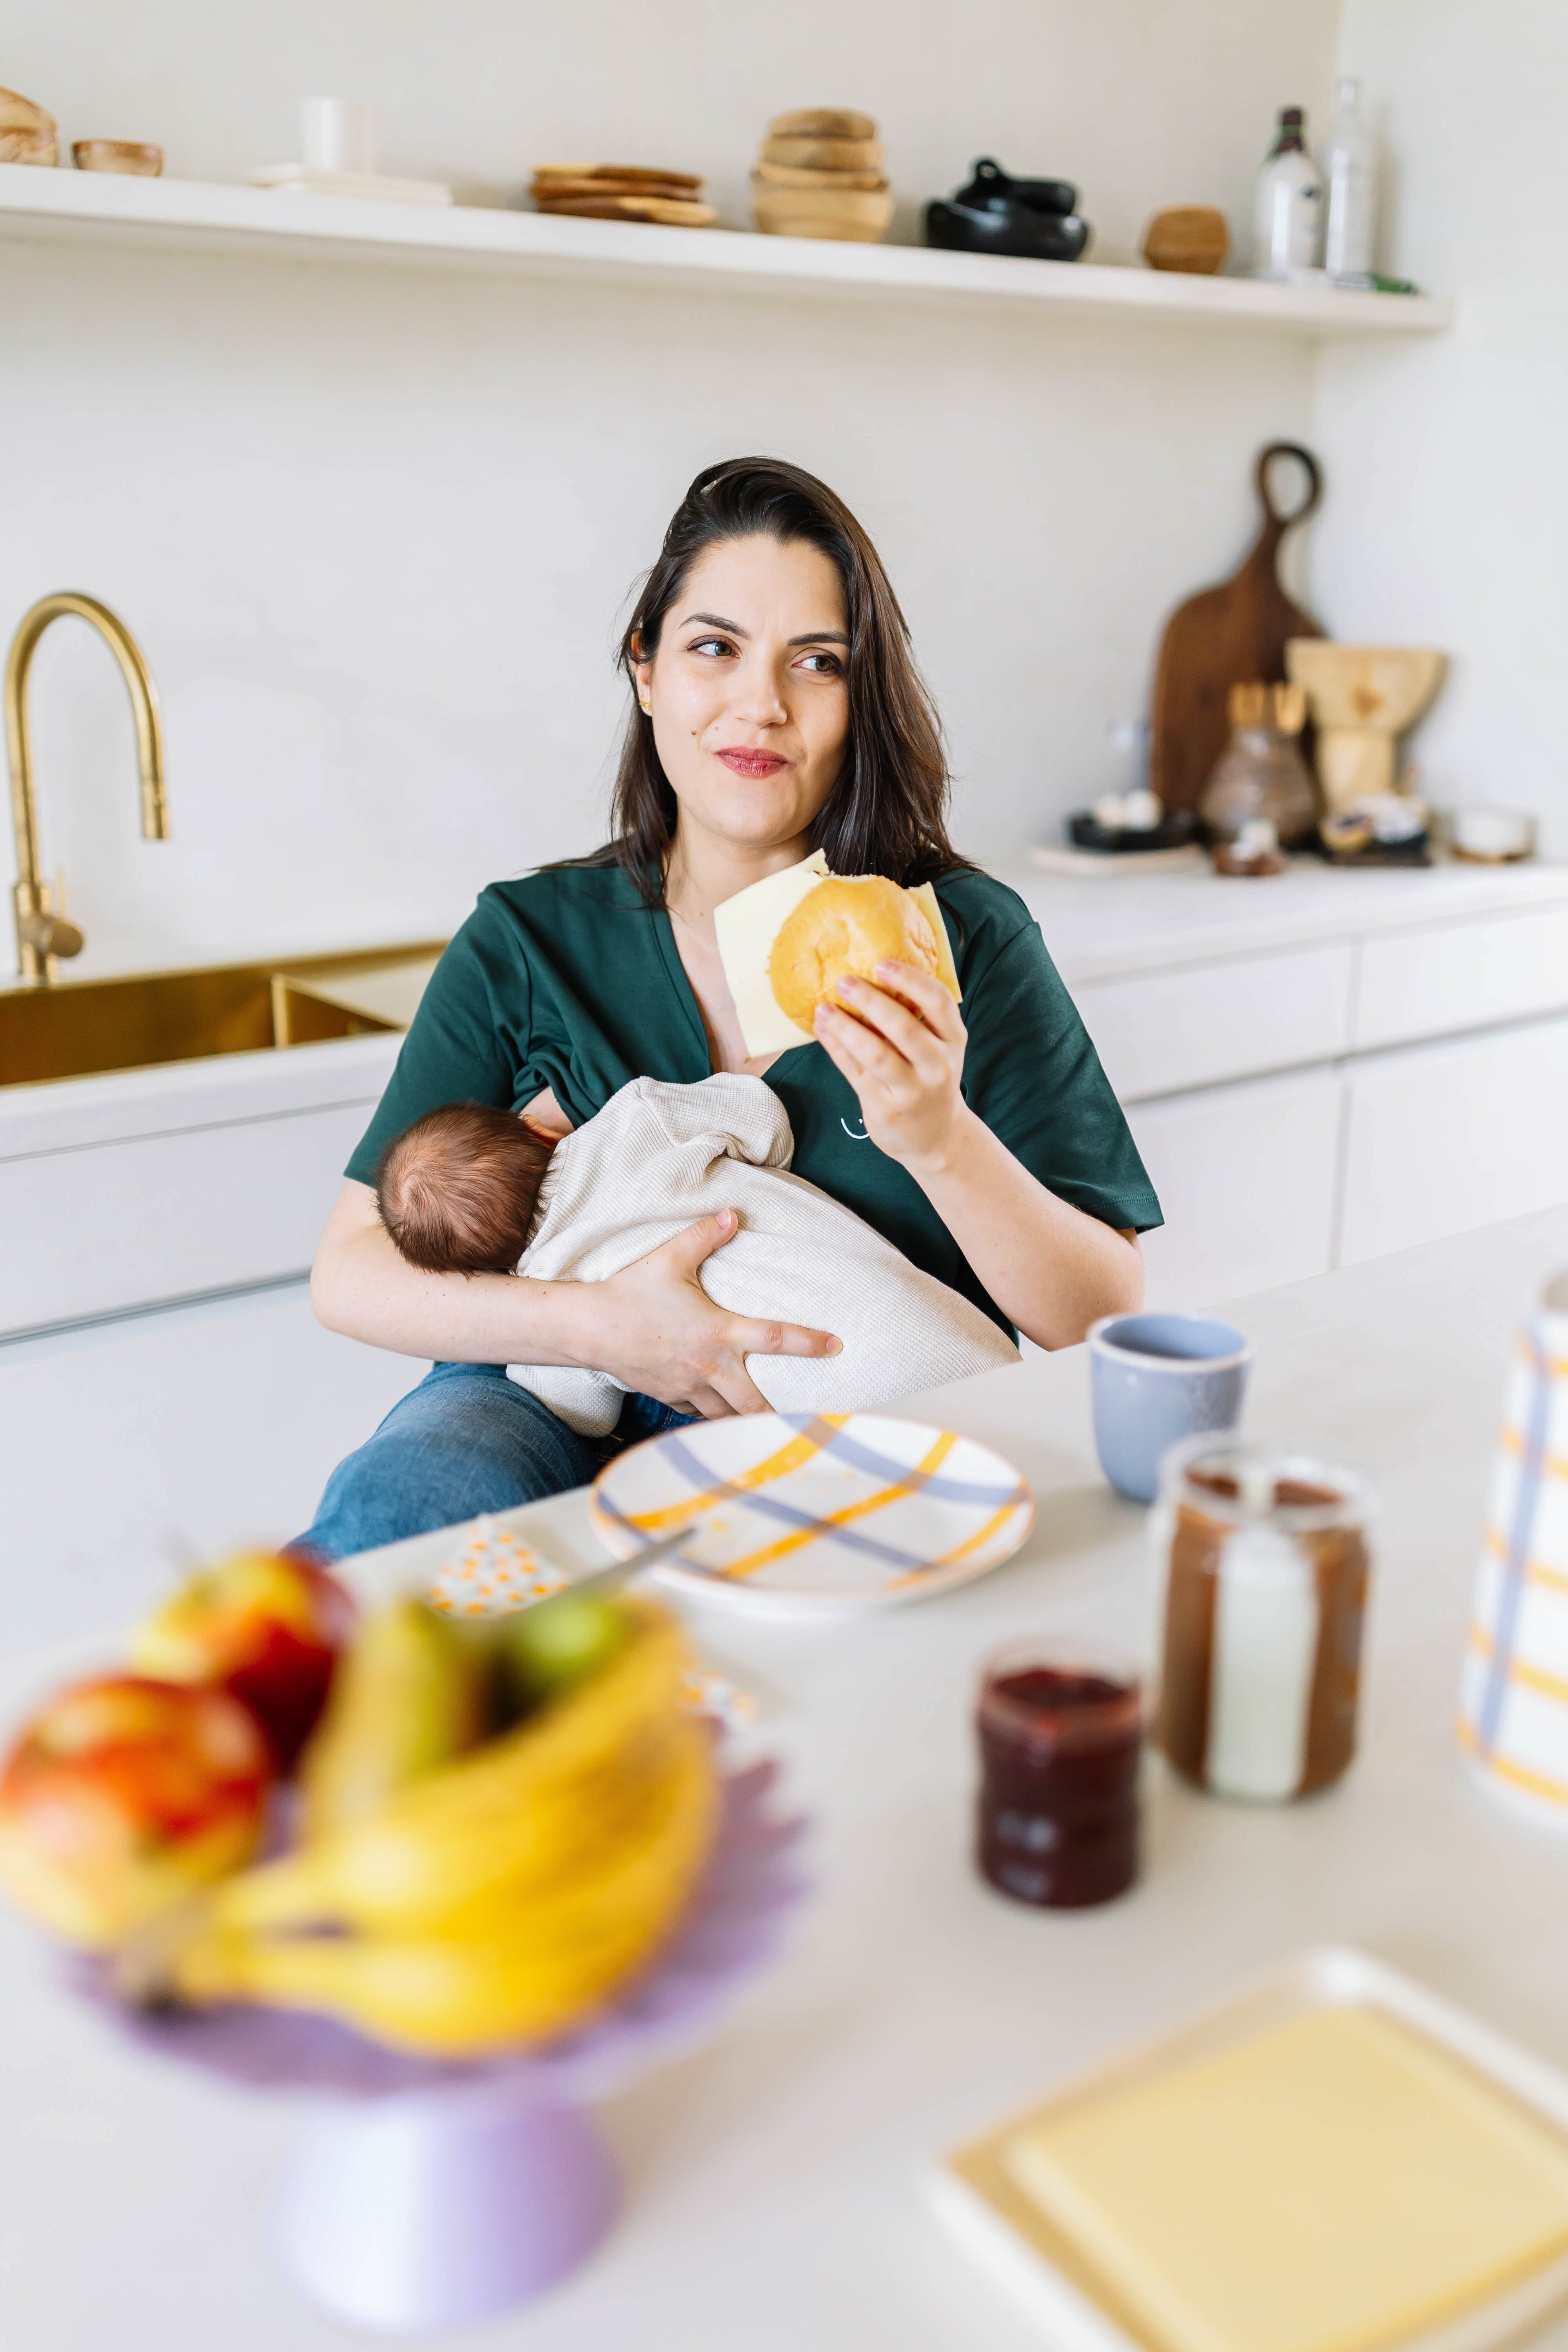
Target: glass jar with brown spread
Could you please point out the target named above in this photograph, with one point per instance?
(1261, 1555)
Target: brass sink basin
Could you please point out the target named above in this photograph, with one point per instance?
(77, 1029)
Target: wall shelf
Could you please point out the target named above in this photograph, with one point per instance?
(44, 206)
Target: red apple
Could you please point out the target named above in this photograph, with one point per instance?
(268, 1626)
(122, 1796)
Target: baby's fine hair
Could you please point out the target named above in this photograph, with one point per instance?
(457, 1189)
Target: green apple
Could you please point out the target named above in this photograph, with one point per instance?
(561, 1641)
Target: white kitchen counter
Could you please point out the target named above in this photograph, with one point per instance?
(1102, 927)
(771, 2200)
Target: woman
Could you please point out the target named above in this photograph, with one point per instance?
(778, 711)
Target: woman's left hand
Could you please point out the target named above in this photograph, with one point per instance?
(905, 1066)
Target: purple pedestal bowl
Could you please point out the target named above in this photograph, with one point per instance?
(428, 2194)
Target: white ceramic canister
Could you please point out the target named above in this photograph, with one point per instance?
(1513, 1689)
(1261, 1558)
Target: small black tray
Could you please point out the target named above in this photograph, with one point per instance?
(1178, 828)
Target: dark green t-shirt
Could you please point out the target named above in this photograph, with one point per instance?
(565, 979)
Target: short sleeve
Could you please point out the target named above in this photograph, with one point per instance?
(1032, 1074)
(468, 1041)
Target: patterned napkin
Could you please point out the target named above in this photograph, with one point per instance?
(496, 1574)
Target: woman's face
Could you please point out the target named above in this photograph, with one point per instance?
(749, 691)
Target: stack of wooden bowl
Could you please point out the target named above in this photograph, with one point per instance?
(622, 192)
(820, 174)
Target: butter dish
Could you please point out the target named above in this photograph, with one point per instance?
(1237, 2186)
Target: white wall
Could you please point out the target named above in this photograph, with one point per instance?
(1449, 461)
(374, 528)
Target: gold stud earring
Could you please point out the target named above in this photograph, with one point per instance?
(644, 704)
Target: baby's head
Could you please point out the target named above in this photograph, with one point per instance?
(457, 1189)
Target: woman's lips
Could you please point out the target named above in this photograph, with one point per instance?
(752, 764)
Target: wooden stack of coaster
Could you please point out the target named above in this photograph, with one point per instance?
(820, 174)
(621, 192)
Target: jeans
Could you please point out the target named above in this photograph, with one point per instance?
(466, 1439)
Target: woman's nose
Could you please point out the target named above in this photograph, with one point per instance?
(759, 699)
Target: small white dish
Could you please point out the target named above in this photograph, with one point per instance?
(819, 1518)
(308, 180)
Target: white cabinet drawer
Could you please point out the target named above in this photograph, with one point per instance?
(1464, 976)
(1245, 1178)
(1445, 1138)
(115, 1225)
(1165, 1030)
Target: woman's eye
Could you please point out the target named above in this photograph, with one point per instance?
(711, 646)
(825, 664)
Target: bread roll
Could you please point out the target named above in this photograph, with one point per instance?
(845, 926)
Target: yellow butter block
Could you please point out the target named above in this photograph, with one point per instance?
(747, 926)
(1333, 2185)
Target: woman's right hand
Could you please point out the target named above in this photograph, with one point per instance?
(654, 1327)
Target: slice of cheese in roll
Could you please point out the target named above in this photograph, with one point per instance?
(785, 942)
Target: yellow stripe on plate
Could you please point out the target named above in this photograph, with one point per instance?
(800, 1537)
(971, 1543)
(789, 1457)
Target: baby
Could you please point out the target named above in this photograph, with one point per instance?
(469, 1190)
(457, 1189)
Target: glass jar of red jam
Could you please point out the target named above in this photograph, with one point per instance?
(1061, 1736)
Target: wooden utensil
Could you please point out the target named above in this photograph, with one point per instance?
(664, 210)
(1225, 634)
(629, 176)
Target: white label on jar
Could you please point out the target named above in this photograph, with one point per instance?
(1265, 1652)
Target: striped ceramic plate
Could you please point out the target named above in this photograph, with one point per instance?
(820, 1516)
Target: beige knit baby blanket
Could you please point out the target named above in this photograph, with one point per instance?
(659, 1157)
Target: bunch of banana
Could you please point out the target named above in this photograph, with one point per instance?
(448, 1897)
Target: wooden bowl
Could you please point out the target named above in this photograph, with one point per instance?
(132, 156)
(1192, 239)
(853, 216)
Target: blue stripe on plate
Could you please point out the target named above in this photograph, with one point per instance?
(769, 1507)
(896, 1473)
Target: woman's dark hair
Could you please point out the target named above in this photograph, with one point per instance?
(887, 813)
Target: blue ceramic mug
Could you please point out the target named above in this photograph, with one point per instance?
(1158, 1378)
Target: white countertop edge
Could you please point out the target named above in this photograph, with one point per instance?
(220, 1089)
(1105, 928)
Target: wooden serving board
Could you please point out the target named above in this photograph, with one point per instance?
(1222, 637)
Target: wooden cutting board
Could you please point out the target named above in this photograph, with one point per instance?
(1221, 637)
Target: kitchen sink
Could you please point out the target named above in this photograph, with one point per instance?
(77, 1029)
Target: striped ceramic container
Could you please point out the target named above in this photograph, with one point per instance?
(1513, 1692)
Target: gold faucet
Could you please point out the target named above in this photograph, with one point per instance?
(42, 931)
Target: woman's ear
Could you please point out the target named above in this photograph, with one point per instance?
(642, 672)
